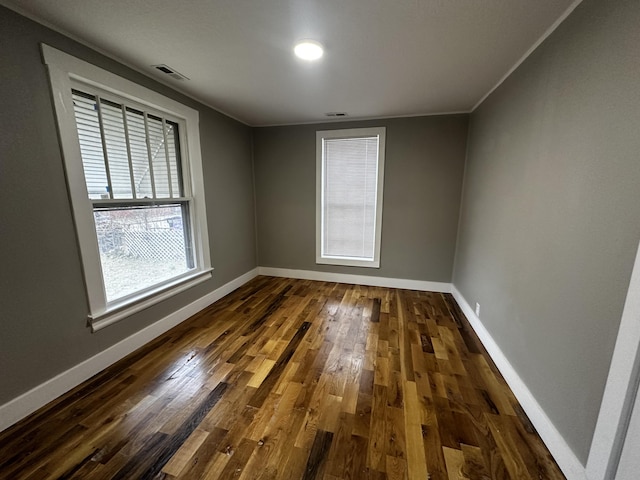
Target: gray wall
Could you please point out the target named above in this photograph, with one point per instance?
(43, 309)
(551, 210)
(424, 166)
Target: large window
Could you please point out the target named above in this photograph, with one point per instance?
(350, 170)
(132, 159)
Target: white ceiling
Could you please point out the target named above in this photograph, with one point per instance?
(382, 57)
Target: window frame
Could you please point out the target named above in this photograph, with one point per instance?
(321, 136)
(67, 72)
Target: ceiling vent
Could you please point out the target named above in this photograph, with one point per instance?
(335, 114)
(170, 72)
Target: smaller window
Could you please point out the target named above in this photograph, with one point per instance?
(350, 173)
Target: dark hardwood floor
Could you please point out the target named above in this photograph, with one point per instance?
(292, 379)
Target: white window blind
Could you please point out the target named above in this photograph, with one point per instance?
(350, 196)
(126, 153)
(351, 173)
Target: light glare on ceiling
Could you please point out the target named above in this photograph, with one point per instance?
(308, 50)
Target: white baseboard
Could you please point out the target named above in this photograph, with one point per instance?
(27, 403)
(422, 285)
(562, 453)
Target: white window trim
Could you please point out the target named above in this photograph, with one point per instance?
(64, 70)
(349, 133)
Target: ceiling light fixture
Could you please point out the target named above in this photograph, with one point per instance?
(309, 50)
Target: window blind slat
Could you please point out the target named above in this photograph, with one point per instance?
(116, 150)
(88, 125)
(139, 154)
(158, 157)
(174, 158)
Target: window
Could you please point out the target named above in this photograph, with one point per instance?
(350, 171)
(133, 166)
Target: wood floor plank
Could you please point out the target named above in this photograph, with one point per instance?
(185, 452)
(292, 379)
(512, 458)
(376, 456)
(206, 456)
(318, 455)
(337, 454)
(455, 463)
(396, 468)
(416, 460)
(474, 466)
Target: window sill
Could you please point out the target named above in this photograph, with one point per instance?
(347, 262)
(120, 311)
